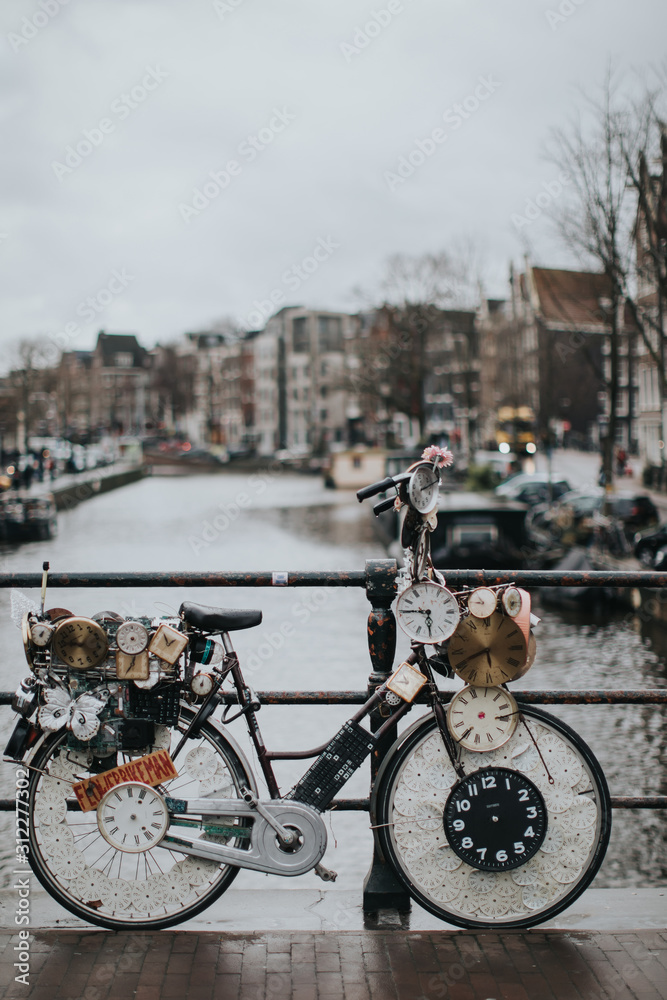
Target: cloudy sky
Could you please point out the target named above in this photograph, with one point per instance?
(166, 163)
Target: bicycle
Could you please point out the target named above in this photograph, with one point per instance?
(140, 809)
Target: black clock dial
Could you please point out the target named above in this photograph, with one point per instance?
(495, 819)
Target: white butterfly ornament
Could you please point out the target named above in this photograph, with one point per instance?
(81, 714)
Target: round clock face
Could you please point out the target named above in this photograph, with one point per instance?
(427, 612)
(495, 819)
(512, 601)
(487, 651)
(132, 817)
(80, 643)
(424, 487)
(132, 637)
(482, 602)
(25, 634)
(41, 634)
(482, 718)
(201, 684)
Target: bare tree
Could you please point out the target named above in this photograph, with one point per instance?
(407, 319)
(601, 153)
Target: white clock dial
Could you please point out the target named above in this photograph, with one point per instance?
(132, 817)
(424, 487)
(512, 601)
(482, 602)
(481, 718)
(41, 634)
(427, 612)
(132, 637)
(201, 684)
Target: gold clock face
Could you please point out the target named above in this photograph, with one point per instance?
(80, 643)
(488, 651)
(482, 718)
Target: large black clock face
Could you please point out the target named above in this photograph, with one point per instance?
(495, 819)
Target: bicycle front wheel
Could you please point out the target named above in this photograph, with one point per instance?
(95, 881)
(411, 800)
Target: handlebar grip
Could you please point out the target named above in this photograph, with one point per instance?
(383, 505)
(370, 491)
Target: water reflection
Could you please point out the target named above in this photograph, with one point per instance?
(279, 521)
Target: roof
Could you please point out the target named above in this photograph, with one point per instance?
(571, 298)
(111, 344)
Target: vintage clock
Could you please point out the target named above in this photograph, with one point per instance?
(482, 602)
(424, 488)
(482, 718)
(427, 612)
(132, 637)
(81, 643)
(487, 651)
(495, 819)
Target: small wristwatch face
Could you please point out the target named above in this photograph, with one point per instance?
(132, 637)
(41, 634)
(482, 602)
(512, 601)
(424, 487)
(427, 612)
(488, 651)
(201, 684)
(482, 718)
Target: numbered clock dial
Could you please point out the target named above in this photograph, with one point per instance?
(495, 819)
(427, 612)
(80, 643)
(488, 651)
(132, 637)
(424, 487)
(132, 817)
(482, 718)
(512, 601)
(482, 602)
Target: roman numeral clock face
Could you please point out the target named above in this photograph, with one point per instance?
(427, 612)
(488, 651)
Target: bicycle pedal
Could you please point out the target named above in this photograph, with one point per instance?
(326, 874)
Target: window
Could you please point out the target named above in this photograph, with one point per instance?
(330, 333)
(300, 338)
(123, 359)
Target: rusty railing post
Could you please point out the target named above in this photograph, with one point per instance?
(382, 890)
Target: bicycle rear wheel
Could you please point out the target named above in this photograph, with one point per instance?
(153, 889)
(410, 805)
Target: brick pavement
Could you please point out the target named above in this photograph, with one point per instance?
(368, 965)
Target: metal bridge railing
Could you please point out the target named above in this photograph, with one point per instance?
(379, 582)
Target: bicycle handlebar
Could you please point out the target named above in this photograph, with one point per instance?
(383, 505)
(381, 486)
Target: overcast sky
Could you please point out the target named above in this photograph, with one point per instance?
(167, 163)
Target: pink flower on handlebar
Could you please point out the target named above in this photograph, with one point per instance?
(442, 457)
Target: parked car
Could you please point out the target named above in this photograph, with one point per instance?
(647, 544)
(533, 488)
(575, 511)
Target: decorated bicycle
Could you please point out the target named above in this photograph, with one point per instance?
(142, 807)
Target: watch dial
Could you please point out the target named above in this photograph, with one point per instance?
(427, 612)
(41, 634)
(482, 602)
(201, 684)
(481, 718)
(132, 637)
(495, 819)
(132, 817)
(488, 651)
(512, 601)
(424, 487)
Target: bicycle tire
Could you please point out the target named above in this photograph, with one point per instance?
(118, 890)
(409, 804)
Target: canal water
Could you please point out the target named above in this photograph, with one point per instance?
(278, 521)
